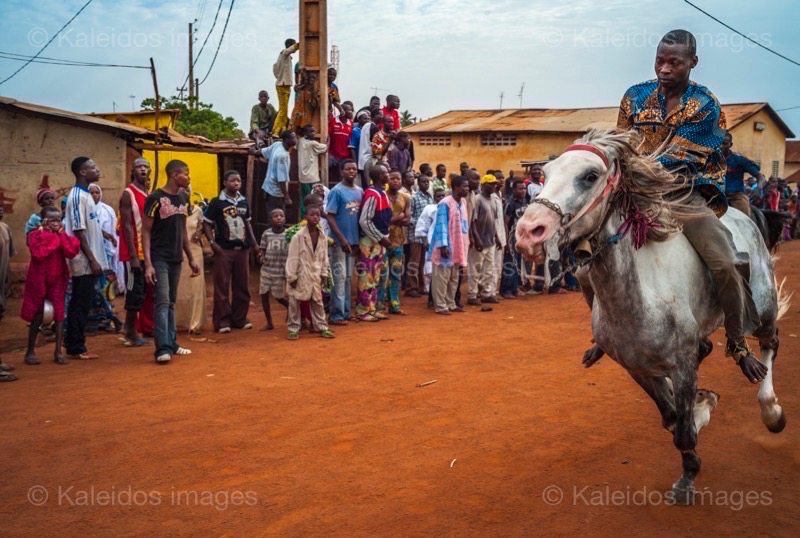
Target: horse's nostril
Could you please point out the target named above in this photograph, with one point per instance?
(537, 233)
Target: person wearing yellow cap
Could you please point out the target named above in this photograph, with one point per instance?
(483, 242)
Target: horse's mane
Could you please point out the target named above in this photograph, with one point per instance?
(646, 185)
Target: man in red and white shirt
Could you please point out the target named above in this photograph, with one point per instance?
(339, 130)
(392, 110)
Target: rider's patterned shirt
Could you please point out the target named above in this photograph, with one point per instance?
(691, 133)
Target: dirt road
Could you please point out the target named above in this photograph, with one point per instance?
(256, 435)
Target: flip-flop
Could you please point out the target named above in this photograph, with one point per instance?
(326, 334)
(368, 317)
(84, 357)
(7, 376)
(293, 335)
(183, 351)
(338, 322)
(398, 312)
(6, 368)
(139, 342)
(32, 361)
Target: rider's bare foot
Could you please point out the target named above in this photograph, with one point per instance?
(268, 327)
(752, 368)
(594, 354)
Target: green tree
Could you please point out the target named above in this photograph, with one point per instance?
(406, 119)
(198, 118)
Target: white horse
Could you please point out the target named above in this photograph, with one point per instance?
(652, 307)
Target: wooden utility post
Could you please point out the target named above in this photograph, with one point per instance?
(191, 66)
(314, 57)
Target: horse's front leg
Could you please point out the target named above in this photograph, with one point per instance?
(659, 390)
(684, 384)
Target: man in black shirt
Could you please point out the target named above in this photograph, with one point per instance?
(515, 208)
(229, 217)
(165, 241)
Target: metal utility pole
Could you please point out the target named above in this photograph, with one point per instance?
(502, 94)
(191, 64)
(197, 90)
(521, 91)
(133, 105)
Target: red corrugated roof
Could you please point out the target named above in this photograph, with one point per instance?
(792, 151)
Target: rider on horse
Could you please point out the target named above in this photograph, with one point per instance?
(683, 121)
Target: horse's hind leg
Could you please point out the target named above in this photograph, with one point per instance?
(772, 414)
(684, 383)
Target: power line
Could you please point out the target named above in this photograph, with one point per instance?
(744, 36)
(213, 24)
(221, 39)
(59, 61)
(196, 58)
(26, 64)
(788, 108)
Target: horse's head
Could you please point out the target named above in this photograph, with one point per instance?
(578, 188)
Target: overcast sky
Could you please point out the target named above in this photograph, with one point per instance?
(437, 55)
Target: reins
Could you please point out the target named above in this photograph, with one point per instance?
(635, 222)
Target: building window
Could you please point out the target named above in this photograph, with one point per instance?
(775, 167)
(498, 139)
(434, 140)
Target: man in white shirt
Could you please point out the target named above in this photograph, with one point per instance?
(537, 182)
(308, 152)
(284, 79)
(82, 221)
(424, 231)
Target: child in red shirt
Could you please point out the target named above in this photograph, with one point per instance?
(47, 279)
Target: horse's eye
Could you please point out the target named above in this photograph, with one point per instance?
(591, 177)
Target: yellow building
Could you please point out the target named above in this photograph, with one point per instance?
(504, 139)
(203, 167)
(791, 171)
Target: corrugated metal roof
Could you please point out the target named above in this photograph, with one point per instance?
(167, 135)
(549, 120)
(67, 116)
(792, 151)
(541, 120)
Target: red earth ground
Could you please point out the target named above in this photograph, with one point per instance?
(256, 435)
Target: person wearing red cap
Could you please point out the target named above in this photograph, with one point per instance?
(45, 198)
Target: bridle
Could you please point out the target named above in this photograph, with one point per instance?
(612, 180)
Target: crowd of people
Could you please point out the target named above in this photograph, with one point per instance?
(360, 249)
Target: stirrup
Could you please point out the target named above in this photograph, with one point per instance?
(737, 350)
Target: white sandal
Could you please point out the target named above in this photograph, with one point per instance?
(183, 351)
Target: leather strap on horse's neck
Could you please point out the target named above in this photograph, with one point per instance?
(591, 149)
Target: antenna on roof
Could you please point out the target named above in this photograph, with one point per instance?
(501, 99)
(521, 91)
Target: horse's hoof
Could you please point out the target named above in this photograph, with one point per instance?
(779, 425)
(592, 355)
(683, 496)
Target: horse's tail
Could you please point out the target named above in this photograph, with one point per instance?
(784, 296)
